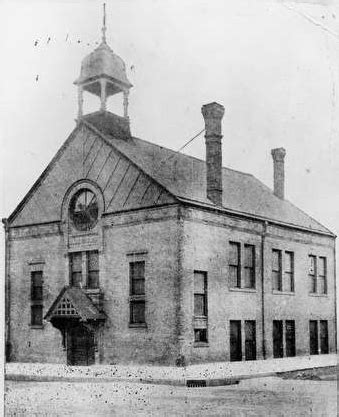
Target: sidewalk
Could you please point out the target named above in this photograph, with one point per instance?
(217, 373)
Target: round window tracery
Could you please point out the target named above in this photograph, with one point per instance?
(84, 209)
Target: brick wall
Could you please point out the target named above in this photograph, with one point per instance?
(207, 238)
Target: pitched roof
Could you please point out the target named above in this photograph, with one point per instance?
(185, 177)
(79, 305)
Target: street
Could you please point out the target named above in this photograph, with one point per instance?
(271, 396)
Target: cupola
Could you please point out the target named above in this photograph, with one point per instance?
(103, 73)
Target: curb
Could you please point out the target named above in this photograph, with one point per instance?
(189, 382)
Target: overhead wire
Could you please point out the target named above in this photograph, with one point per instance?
(183, 146)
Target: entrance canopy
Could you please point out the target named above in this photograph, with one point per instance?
(73, 303)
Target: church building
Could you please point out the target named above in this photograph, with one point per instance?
(124, 251)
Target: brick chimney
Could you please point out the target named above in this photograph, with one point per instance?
(213, 113)
(278, 155)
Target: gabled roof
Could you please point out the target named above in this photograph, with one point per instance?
(185, 177)
(73, 302)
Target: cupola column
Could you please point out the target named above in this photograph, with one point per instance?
(80, 101)
(126, 94)
(103, 94)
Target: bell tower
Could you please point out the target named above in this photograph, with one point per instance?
(103, 73)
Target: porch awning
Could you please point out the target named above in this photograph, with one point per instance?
(72, 302)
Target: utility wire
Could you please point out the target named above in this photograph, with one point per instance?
(184, 146)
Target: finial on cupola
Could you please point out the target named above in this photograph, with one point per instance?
(103, 73)
(104, 25)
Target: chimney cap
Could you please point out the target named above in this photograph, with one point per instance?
(278, 154)
(213, 110)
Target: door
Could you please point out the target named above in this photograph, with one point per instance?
(278, 348)
(313, 337)
(323, 336)
(250, 341)
(81, 347)
(235, 340)
(290, 338)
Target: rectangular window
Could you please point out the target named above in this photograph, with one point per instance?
(137, 311)
(312, 273)
(249, 266)
(234, 265)
(93, 269)
(36, 298)
(200, 335)
(36, 315)
(278, 347)
(76, 269)
(290, 337)
(200, 294)
(289, 272)
(235, 340)
(250, 340)
(314, 337)
(36, 286)
(137, 275)
(322, 281)
(323, 336)
(276, 270)
(137, 292)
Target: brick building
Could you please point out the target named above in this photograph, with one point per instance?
(125, 251)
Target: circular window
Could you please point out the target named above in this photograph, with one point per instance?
(84, 210)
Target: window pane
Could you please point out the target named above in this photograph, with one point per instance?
(278, 345)
(249, 278)
(313, 337)
(137, 269)
(93, 261)
(93, 279)
(137, 276)
(250, 340)
(36, 285)
(322, 266)
(290, 338)
(288, 261)
(137, 312)
(36, 315)
(321, 285)
(235, 340)
(312, 264)
(199, 282)
(323, 336)
(76, 279)
(234, 276)
(200, 335)
(313, 283)
(76, 261)
(276, 280)
(199, 305)
(138, 287)
(234, 253)
(249, 255)
(288, 282)
(276, 260)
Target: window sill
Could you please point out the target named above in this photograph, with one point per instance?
(37, 326)
(276, 292)
(137, 325)
(200, 344)
(313, 294)
(235, 289)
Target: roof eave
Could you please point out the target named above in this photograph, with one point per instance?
(237, 213)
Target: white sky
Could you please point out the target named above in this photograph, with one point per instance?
(272, 64)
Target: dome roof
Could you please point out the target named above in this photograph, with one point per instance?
(103, 63)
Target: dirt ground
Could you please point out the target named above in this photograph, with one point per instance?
(271, 396)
